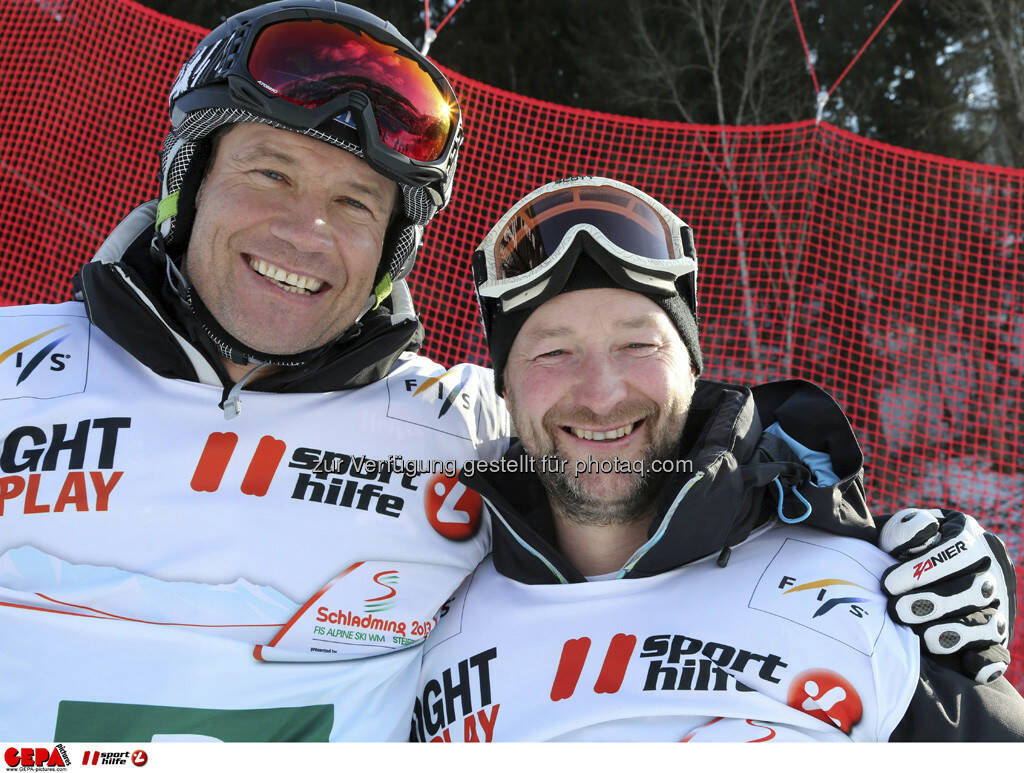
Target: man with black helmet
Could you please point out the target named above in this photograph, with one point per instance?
(652, 575)
(167, 573)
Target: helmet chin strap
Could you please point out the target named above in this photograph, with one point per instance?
(229, 347)
(232, 402)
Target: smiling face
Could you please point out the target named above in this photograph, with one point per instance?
(599, 375)
(287, 237)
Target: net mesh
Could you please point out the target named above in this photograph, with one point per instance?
(889, 277)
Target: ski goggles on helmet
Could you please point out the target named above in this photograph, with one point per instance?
(321, 73)
(529, 255)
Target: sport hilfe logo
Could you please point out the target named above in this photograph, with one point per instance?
(324, 477)
(28, 364)
(138, 758)
(574, 657)
(219, 448)
(667, 662)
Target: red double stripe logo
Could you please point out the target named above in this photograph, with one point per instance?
(574, 657)
(219, 448)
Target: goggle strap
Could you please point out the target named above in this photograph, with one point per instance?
(167, 208)
(382, 290)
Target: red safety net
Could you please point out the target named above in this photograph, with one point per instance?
(890, 277)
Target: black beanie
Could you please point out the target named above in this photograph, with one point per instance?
(588, 275)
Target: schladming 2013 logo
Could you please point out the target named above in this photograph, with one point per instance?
(387, 579)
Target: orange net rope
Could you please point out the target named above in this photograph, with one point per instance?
(889, 277)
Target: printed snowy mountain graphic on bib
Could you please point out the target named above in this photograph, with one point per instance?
(32, 579)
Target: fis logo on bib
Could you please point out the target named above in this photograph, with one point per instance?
(845, 606)
(37, 757)
(441, 402)
(42, 358)
(446, 394)
(829, 600)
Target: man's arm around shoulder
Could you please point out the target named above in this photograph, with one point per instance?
(948, 706)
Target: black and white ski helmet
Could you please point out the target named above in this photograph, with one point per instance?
(215, 88)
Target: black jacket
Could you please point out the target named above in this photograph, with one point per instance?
(734, 463)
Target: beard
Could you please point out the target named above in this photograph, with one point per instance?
(604, 498)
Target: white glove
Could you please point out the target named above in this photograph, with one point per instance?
(955, 585)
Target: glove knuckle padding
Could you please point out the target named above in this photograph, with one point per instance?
(951, 598)
(1006, 578)
(977, 630)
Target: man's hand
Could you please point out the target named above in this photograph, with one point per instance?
(955, 585)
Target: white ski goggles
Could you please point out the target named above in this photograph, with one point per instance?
(528, 256)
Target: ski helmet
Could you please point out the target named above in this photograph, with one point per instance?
(330, 71)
